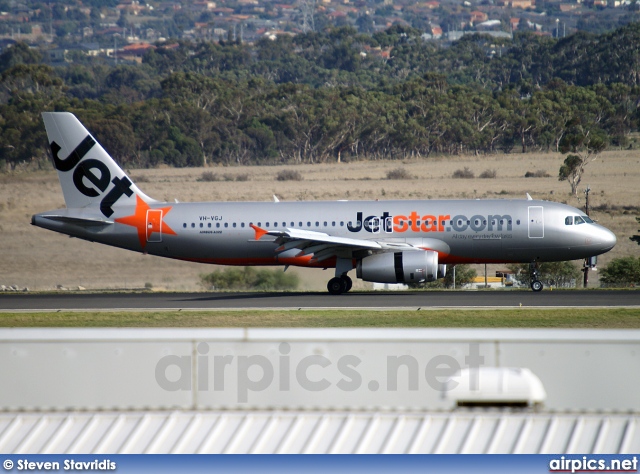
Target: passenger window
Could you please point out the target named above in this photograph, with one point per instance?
(266, 224)
(568, 220)
(192, 225)
(184, 225)
(234, 224)
(317, 224)
(308, 224)
(325, 223)
(209, 225)
(201, 225)
(242, 224)
(217, 225)
(341, 223)
(226, 224)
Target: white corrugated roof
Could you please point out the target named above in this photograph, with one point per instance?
(318, 432)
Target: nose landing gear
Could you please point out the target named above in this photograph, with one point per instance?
(534, 274)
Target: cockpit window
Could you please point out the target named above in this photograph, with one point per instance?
(578, 220)
(568, 220)
(587, 219)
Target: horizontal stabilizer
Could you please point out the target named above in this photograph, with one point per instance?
(81, 221)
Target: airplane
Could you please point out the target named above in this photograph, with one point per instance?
(402, 241)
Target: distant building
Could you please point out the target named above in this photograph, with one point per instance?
(134, 52)
(202, 6)
(478, 16)
(568, 7)
(132, 7)
(524, 4)
(489, 24)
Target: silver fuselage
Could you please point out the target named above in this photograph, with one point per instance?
(461, 231)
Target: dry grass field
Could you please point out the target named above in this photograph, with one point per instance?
(39, 259)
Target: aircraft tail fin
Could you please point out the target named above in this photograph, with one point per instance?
(88, 175)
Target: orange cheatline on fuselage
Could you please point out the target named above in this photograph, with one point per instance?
(305, 261)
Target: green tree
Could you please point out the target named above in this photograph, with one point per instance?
(465, 274)
(624, 270)
(559, 274)
(19, 53)
(585, 141)
(250, 278)
(636, 238)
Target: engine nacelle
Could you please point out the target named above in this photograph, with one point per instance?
(442, 271)
(412, 266)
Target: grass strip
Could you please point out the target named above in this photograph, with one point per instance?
(606, 318)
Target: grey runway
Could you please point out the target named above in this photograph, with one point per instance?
(311, 300)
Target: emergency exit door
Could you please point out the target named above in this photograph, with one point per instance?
(536, 222)
(154, 225)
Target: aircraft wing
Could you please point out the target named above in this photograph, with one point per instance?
(321, 245)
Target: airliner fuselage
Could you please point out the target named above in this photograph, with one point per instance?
(387, 241)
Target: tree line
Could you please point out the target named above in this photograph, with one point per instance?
(331, 96)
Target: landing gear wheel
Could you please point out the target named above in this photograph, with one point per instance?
(348, 283)
(337, 286)
(534, 274)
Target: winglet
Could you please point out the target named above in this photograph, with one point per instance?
(529, 197)
(259, 232)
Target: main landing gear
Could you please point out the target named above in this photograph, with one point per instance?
(536, 284)
(339, 285)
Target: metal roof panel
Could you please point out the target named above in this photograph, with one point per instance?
(473, 431)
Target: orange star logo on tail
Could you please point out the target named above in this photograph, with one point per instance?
(147, 221)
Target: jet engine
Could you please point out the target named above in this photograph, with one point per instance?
(413, 266)
(442, 271)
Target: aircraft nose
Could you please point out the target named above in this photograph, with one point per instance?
(605, 239)
(609, 239)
